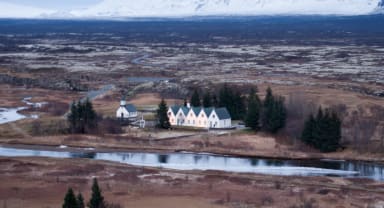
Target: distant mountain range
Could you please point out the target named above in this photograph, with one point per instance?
(188, 8)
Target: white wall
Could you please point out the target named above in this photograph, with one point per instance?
(125, 113)
(172, 118)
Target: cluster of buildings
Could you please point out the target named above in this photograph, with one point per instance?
(184, 116)
(199, 117)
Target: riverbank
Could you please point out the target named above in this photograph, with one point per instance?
(43, 181)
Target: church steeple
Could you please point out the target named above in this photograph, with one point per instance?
(123, 103)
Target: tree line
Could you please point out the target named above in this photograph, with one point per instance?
(322, 131)
(269, 115)
(225, 97)
(83, 119)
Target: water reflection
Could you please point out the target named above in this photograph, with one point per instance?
(188, 161)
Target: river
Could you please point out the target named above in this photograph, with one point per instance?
(195, 161)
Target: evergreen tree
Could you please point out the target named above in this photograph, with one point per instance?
(323, 132)
(253, 111)
(267, 109)
(90, 117)
(97, 200)
(207, 100)
(239, 107)
(274, 112)
(72, 118)
(82, 118)
(162, 117)
(233, 101)
(307, 135)
(195, 99)
(185, 103)
(80, 201)
(226, 98)
(70, 200)
(215, 101)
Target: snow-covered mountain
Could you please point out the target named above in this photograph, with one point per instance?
(174, 8)
(9, 10)
(183, 8)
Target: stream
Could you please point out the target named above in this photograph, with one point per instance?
(201, 161)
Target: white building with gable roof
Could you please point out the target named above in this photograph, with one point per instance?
(198, 117)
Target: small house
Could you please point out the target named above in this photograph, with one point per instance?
(126, 111)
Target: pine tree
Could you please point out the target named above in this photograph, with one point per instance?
(195, 99)
(267, 109)
(90, 117)
(323, 132)
(233, 101)
(70, 200)
(97, 200)
(274, 112)
(215, 101)
(309, 128)
(239, 107)
(162, 117)
(207, 100)
(82, 117)
(72, 118)
(80, 201)
(253, 112)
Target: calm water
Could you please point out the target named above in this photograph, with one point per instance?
(191, 161)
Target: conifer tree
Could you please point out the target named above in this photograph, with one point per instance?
(72, 118)
(82, 117)
(307, 135)
(323, 132)
(90, 117)
(97, 200)
(233, 101)
(274, 112)
(215, 101)
(253, 111)
(80, 201)
(195, 99)
(70, 200)
(162, 117)
(207, 100)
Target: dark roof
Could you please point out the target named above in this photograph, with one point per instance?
(208, 111)
(175, 109)
(185, 110)
(223, 113)
(130, 108)
(196, 110)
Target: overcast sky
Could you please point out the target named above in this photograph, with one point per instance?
(54, 4)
